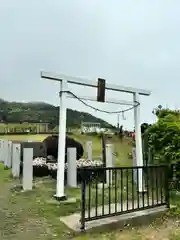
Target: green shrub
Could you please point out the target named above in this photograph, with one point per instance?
(164, 137)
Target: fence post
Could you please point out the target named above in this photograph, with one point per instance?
(134, 165)
(83, 199)
(109, 163)
(89, 150)
(72, 168)
(16, 150)
(167, 173)
(27, 168)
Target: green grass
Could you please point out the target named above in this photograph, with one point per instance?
(29, 215)
(122, 149)
(23, 138)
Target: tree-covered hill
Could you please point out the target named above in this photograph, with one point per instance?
(42, 112)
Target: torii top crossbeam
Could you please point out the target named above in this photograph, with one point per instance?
(92, 83)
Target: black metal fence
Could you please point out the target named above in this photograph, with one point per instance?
(174, 184)
(116, 191)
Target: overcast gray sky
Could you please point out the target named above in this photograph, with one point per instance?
(131, 43)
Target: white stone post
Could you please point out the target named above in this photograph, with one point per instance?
(27, 179)
(72, 168)
(139, 156)
(9, 159)
(60, 195)
(1, 150)
(109, 163)
(5, 153)
(89, 150)
(16, 156)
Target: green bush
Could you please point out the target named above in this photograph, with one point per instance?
(164, 138)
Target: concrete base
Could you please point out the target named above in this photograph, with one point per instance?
(67, 200)
(60, 199)
(111, 223)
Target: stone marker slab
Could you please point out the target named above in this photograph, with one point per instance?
(27, 169)
(109, 163)
(9, 154)
(5, 153)
(16, 154)
(89, 150)
(1, 150)
(72, 168)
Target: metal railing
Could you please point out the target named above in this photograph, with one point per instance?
(174, 184)
(110, 192)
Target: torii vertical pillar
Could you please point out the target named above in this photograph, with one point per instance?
(60, 195)
(139, 156)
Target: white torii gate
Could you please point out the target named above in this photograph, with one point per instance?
(64, 80)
